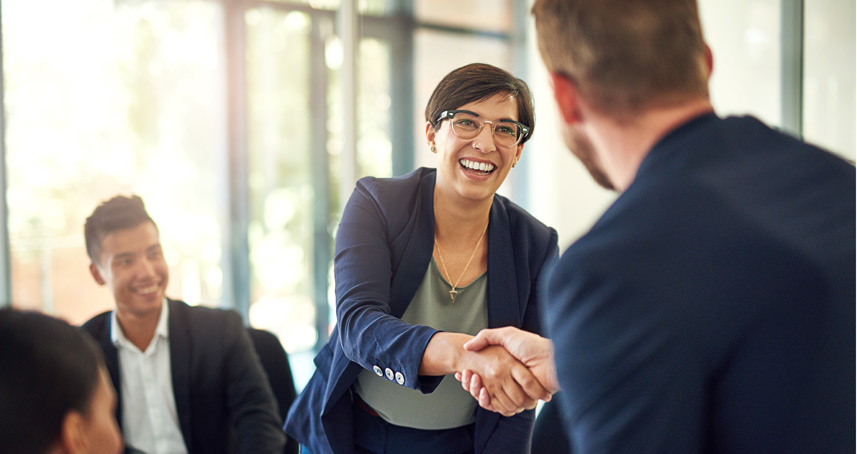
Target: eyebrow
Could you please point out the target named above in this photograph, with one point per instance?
(123, 255)
(476, 114)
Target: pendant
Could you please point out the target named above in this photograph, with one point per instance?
(452, 294)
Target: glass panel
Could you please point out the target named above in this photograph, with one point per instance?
(436, 54)
(375, 7)
(374, 149)
(129, 100)
(317, 4)
(829, 62)
(281, 192)
(489, 15)
(744, 36)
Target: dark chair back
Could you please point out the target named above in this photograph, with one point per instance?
(275, 362)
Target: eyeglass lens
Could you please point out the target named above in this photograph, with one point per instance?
(468, 126)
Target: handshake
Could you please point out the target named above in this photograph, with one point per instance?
(522, 372)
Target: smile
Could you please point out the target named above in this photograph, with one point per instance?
(481, 168)
(146, 290)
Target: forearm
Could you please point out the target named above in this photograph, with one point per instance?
(443, 354)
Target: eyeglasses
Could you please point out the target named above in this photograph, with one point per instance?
(467, 125)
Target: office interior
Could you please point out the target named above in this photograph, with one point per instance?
(244, 125)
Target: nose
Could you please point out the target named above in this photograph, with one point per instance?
(484, 141)
(146, 268)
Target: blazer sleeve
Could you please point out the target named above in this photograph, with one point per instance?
(363, 266)
(251, 403)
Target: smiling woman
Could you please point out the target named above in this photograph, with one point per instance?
(423, 262)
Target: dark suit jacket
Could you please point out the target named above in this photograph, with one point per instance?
(383, 247)
(712, 308)
(223, 399)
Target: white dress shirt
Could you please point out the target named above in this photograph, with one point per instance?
(150, 422)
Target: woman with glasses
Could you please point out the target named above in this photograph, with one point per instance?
(423, 262)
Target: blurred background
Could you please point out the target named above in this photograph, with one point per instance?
(244, 125)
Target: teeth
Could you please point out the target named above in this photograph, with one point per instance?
(480, 166)
(147, 290)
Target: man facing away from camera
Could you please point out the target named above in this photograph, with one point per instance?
(712, 307)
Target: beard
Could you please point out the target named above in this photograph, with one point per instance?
(581, 146)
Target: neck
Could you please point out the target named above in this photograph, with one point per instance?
(622, 145)
(140, 330)
(460, 219)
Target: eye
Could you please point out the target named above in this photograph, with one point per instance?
(465, 123)
(506, 130)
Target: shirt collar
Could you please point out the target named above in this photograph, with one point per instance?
(118, 337)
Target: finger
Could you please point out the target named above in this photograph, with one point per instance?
(458, 376)
(485, 400)
(530, 384)
(501, 401)
(475, 386)
(465, 379)
(518, 399)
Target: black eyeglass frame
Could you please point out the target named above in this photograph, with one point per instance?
(525, 130)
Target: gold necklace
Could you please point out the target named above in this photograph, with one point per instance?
(453, 291)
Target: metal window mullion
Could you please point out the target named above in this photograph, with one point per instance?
(320, 180)
(5, 281)
(236, 261)
(791, 66)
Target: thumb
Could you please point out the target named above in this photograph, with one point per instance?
(485, 338)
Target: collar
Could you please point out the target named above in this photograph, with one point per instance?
(117, 336)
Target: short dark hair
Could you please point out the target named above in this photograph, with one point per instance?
(49, 368)
(118, 213)
(477, 82)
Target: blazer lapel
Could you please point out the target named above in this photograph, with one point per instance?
(503, 303)
(111, 358)
(180, 359)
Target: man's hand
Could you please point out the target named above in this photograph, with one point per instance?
(533, 351)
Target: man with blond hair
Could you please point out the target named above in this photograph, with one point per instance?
(712, 307)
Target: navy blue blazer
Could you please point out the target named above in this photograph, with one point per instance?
(383, 247)
(223, 399)
(712, 308)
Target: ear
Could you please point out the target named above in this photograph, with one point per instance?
(709, 60)
(518, 152)
(93, 269)
(430, 134)
(567, 98)
(72, 433)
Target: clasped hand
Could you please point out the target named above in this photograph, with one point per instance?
(528, 359)
(508, 383)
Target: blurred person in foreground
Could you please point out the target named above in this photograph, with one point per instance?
(423, 262)
(187, 378)
(712, 307)
(55, 393)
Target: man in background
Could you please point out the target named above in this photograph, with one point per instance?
(187, 378)
(712, 307)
